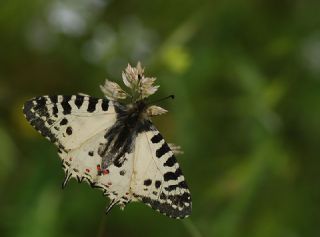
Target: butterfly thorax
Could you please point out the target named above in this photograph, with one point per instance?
(134, 113)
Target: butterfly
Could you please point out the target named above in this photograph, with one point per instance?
(113, 145)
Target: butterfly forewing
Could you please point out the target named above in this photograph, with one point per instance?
(157, 178)
(68, 121)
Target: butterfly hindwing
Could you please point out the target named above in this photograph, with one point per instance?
(84, 163)
(157, 177)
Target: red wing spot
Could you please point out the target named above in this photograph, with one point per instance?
(127, 193)
(87, 170)
(70, 159)
(105, 172)
(98, 168)
(109, 183)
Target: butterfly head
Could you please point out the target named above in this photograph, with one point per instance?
(139, 88)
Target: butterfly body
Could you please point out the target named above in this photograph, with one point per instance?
(114, 147)
(120, 138)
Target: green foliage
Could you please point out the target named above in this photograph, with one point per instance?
(246, 79)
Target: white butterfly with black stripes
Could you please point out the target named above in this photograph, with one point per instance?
(114, 146)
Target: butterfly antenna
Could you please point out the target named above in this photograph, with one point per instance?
(165, 98)
(111, 205)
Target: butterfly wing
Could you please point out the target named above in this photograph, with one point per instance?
(77, 124)
(157, 178)
(68, 121)
(84, 163)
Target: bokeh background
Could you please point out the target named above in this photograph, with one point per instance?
(246, 75)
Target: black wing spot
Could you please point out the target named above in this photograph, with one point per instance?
(54, 99)
(92, 104)
(27, 110)
(90, 153)
(169, 176)
(118, 163)
(157, 184)
(182, 184)
(172, 176)
(156, 138)
(64, 121)
(163, 196)
(65, 105)
(79, 101)
(162, 150)
(147, 182)
(171, 161)
(50, 121)
(185, 197)
(105, 105)
(69, 130)
(55, 110)
(40, 101)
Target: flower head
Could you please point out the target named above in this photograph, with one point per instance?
(113, 91)
(146, 87)
(133, 77)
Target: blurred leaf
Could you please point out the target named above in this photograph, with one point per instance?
(177, 59)
(8, 154)
(41, 219)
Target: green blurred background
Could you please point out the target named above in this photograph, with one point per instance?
(246, 75)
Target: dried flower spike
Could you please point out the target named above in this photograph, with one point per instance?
(155, 110)
(113, 91)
